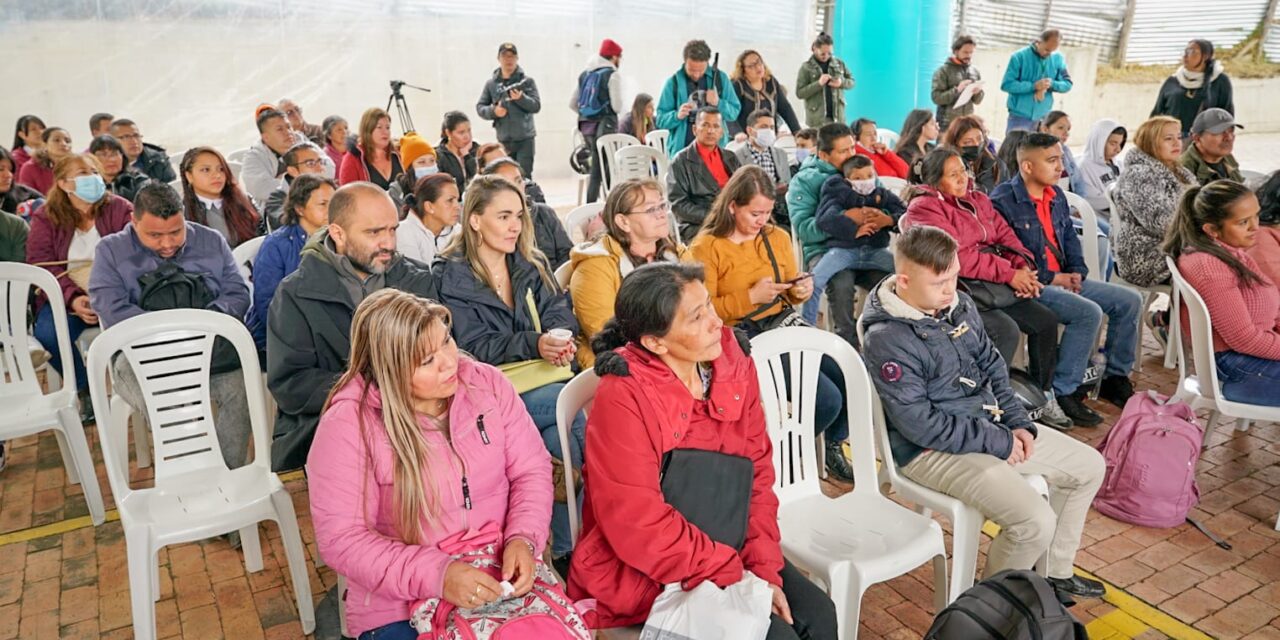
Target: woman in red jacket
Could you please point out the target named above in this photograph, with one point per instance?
(1211, 234)
(65, 232)
(675, 379)
(888, 164)
(990, 252)
(370, 155)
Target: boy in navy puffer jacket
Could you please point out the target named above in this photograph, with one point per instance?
(858, 214)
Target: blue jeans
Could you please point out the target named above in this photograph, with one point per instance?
(395, 631)
(1081, 316)
(1017, 123)
(1250, 379)
(47, 334)
(839, 259)
(541, 405)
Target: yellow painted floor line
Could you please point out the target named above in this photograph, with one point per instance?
(1132, 616)
(67, 526)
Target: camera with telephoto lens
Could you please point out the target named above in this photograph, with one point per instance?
(522, 84)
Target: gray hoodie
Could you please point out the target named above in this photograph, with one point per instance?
(1096, 172)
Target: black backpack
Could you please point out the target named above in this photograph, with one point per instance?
(1011, 605)
(170, 287)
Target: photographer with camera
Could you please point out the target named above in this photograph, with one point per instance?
(510, 98)
(690, 89)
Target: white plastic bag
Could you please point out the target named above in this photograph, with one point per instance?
(737, 612)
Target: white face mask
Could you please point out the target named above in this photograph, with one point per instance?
(801, 154)
(863, 187)
(766, 137)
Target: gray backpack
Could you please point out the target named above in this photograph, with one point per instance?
(1011, 605)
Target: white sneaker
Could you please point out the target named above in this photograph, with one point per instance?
(1054, 416)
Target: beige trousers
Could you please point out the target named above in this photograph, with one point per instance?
(1028, 525)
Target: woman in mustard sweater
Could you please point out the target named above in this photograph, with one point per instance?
(752, 277)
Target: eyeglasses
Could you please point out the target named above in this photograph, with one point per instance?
(657, 210)
(310, 163)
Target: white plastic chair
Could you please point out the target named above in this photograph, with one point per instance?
(1149, 294)
(966, 521)
(887, 137)
(238, 155)
(1088, 234)
(894, 184)
(658, 139)
(574, 397)
(639, 162)
(607, 146)
(244, 255)
(195, 496)
(578, 219)
(563, 273)
(858, 539)
(236, 166)
(27, 409)
(1203, 389)
(1253, 179)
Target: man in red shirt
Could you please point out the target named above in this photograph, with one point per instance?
(698, 172)
(1040, 216)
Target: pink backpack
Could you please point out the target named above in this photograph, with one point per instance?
(1151, 456)
(545, 613)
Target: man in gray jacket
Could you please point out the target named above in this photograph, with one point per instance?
(263, 166)
(952, 78)
(760, 151)
(510, 98)
(955, 425)
(159, 236)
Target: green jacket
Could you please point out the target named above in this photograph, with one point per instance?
(808, 89)
(802, 204)
(946, 90)
(1204, 173)
(13, 238)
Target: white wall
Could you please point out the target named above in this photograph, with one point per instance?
(193, 81)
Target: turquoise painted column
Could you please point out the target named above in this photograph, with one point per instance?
(892, 47)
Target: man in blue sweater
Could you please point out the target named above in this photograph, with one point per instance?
(1034, 74)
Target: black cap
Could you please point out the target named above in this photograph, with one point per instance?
(507, 47)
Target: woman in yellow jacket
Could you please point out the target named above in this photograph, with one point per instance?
(751, 272)
(637, 231)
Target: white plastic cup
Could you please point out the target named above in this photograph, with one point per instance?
(563, 335)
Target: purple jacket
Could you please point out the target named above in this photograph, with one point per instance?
(121, 259)
(48, 243)
(496, 451)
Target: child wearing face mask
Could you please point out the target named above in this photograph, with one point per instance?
(858, 214)
(419, 160)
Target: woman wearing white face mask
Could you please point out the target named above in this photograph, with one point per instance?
(64, 236)
(419, 161)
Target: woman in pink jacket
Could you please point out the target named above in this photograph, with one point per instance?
(419, 453)
(990, 252)
(1211, 234)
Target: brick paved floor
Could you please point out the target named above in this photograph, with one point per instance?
(75, 584)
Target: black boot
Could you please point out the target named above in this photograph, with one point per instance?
(1078, 586)
(837, 465)
(1116, 389)
(1073, 405)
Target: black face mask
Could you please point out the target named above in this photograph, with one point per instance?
(970, 153)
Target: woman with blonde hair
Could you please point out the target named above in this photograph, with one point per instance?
(422, 453)
(1147, 194)
(637, 222)
(758, 89)
(370, 156)
(64, 236)
(508, 311)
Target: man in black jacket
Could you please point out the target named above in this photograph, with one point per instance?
(698, 173)
(144, 157)
(309, 323)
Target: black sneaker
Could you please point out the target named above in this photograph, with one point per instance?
(1081, 414)
(1116, 389)
(86, 408)
(4, 460)
(1078, 586)
(837, 465)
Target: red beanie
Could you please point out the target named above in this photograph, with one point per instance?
(609, 49)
